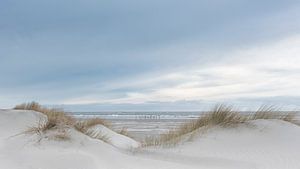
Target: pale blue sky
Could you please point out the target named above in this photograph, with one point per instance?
(150, 55)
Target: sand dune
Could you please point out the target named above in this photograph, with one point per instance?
(261, 144)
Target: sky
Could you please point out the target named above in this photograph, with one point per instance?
(137, 55)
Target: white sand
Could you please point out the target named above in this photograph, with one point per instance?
(263, 144)
(119, 141)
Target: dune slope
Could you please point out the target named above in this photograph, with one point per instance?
(261, 144)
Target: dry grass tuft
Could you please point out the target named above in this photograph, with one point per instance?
(125, 132)
(40, 128)
(56, 117)
(266, 112)
(56, 120)
(290, 117)
(95, 121)
(84, 125)
(221, 115)
(28, 106)
(271, 112)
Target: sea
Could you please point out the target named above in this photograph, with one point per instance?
(145, 124)
(142, 124)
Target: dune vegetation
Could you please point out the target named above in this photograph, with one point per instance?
(84, 126)
(59, 122)
(55, 126)
(221, 138)
(221, 115)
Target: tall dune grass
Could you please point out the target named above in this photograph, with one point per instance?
(271, 112)
(60, 121)
(56, 117)
(221, 115)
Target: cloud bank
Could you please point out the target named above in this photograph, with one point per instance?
(149, 55)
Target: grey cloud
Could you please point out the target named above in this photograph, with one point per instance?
(54, 50)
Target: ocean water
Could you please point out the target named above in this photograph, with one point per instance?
(142, 124)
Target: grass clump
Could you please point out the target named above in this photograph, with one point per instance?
(56, 117)
(124, 132)
(221, 115)
(38, 129)
(84, 125)
(57, 120)
(42, 130)
(58, 123)
(271, 112)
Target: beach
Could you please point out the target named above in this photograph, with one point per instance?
(261, 144)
